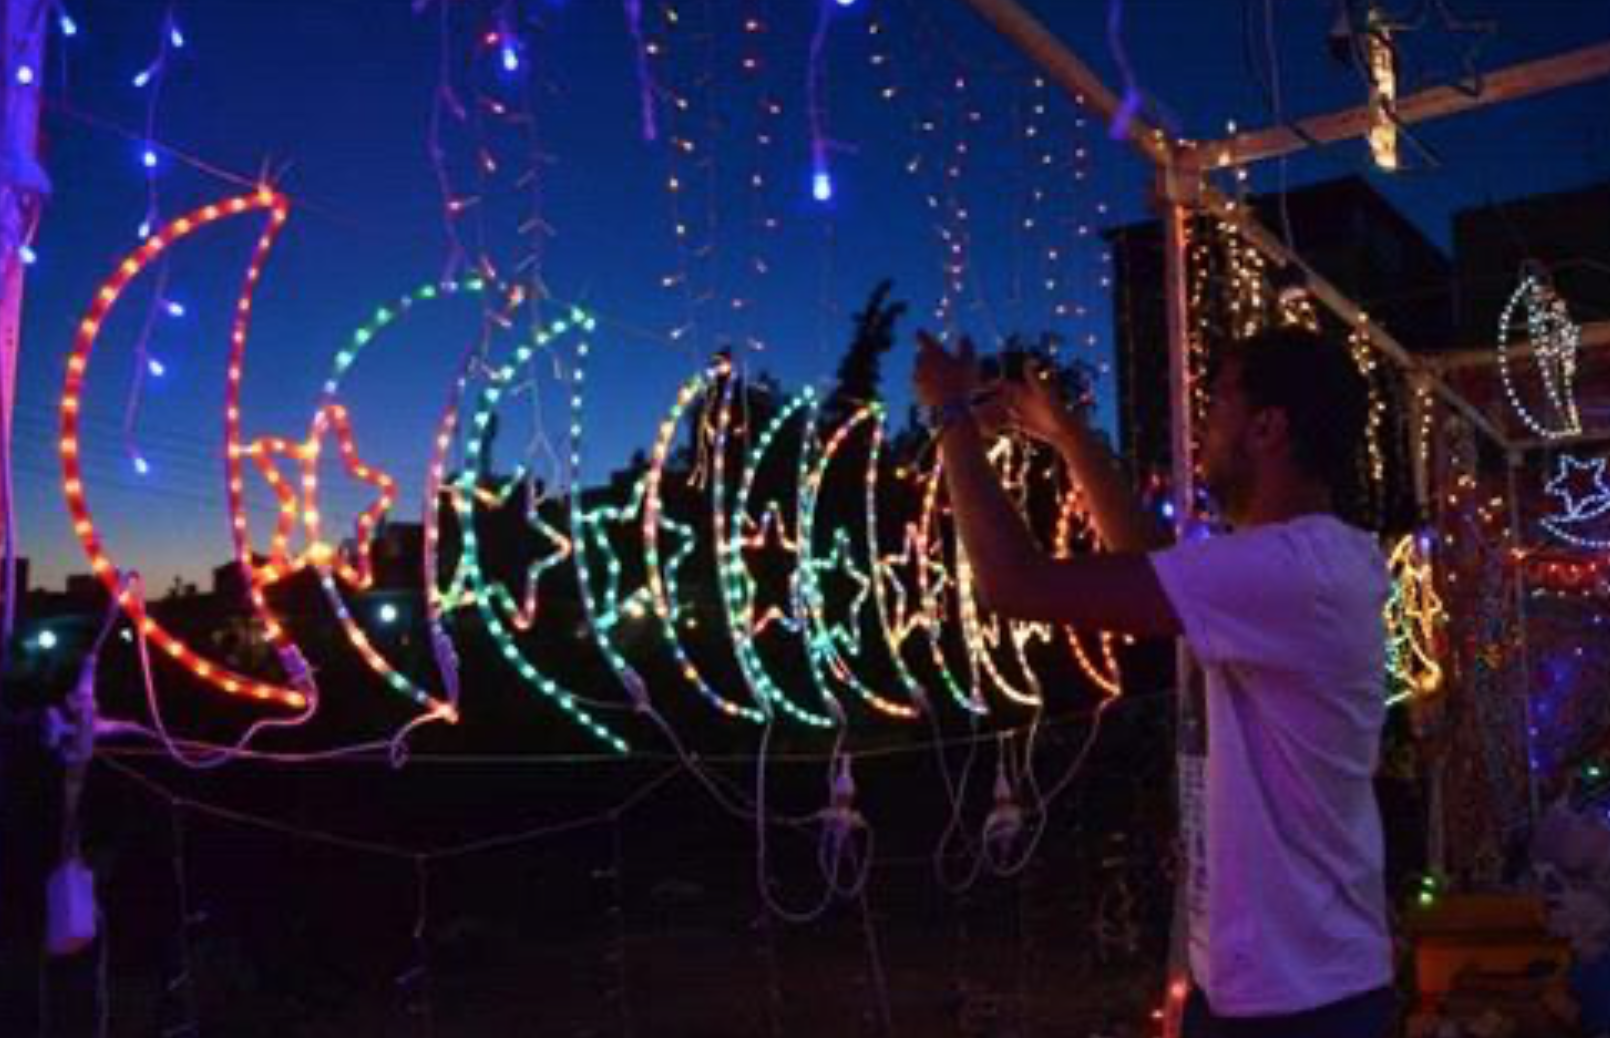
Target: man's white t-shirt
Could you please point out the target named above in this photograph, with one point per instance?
(1286, 894)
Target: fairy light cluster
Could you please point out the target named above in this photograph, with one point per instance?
(763, 222)
(1246, 303)
(1381, 61)
(955, 229)
(1368, 363)
(690, 179)
(150, 80)
(1552, 574)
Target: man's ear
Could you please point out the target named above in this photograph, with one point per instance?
(1270, 427)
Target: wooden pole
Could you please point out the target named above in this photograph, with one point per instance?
(23, 188)
(1173, 198)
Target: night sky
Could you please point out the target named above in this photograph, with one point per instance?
(333, 100)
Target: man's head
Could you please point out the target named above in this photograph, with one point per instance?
(1288, 405)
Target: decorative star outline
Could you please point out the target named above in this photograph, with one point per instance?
(457, 594)
(846, 633)
(523, 612)
(594, 524)
(770, 533)
(303, 507)
(1587, 506)
(521, 606)
(686, 543)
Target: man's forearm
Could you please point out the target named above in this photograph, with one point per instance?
(1120, 521)
(997, 540)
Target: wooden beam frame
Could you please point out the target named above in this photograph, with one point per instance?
(1539, 443)
(1177, 160)
(1595, 335)
(1517, 81)
(1063, 67)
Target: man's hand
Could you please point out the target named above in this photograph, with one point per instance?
(1032, 406)
(1037, 407)
(942, 377)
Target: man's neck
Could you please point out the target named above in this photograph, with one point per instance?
(1281, 501)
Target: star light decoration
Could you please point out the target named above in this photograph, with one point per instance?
(1582, 505)
(303, 508)
(1415, 623)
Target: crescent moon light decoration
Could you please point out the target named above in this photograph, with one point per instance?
(299, 692)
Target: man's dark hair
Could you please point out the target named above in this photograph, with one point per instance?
(1313, 378)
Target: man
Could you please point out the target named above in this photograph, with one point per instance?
(1285, 897)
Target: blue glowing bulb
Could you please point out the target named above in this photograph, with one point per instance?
(156, 367)
(25, 75)
(29, 256)
(511, 58)
(822, 186)
(175, 309)
(175, 37)
(141, 466)
(143, 77)
(149, 159)
(145, 228)
(388, 614)
(46, 640)
(67, 25)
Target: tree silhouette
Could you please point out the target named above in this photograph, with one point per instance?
(860, 373)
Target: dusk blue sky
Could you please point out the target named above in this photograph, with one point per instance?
(333, 99)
